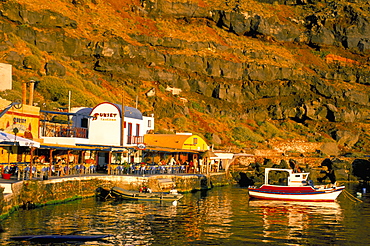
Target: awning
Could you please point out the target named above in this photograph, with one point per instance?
(104, 147)
(82, 147)
(170, 150)
(63, 113)
(56, 112)
(7, 139)
(70, 147)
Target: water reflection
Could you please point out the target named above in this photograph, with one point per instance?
(288, 220)
(221, 216)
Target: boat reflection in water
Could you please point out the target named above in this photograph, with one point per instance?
(289, 220)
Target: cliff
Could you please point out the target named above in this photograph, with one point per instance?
(240, 73)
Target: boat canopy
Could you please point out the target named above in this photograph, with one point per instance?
(294, 179)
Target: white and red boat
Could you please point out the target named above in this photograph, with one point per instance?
(296, 188)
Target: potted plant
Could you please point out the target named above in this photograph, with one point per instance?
(6, 173)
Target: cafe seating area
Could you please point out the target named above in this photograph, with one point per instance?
(43, 170)
(21, 170)
(140, 169)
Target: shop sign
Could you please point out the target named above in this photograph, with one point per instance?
(141, 146)
(105, 116)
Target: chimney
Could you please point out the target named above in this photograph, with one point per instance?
(32, 87)
(24, 93)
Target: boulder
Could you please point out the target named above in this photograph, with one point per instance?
(54, 68)
(330, 149)
(15, 59)
(346, 138)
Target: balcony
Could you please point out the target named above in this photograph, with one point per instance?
(135, 139)
(60, 130)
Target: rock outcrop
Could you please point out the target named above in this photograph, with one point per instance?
(288, 72)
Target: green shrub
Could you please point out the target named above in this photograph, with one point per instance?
(287, 125)
(161, 88)
(180, 122)
(32, 62)
(208, 136)
(197, 107)
(244, 134)
(57, 90)
(268, 130)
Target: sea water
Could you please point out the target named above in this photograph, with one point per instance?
(220, 216)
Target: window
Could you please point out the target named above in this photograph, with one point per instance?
(84, 122)
(195, 140)
(149, 123)
(137, 129)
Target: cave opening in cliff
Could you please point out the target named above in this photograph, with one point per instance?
(330, 116)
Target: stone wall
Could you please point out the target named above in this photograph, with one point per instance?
(42, 192)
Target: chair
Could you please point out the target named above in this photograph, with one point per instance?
(176, 169)
(119, 169)
(162, 169)
(76, 169)
(182, 169)
(136, 169)
(142, 170)
(20, 170)
(113, 169)
(153, 169)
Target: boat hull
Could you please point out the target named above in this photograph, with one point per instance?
(134, 195)
(305, 194)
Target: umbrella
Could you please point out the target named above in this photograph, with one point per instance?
(10, 139)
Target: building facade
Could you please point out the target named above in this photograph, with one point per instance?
(104, 125)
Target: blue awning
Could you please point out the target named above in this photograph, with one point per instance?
(71, 147)
(105, 147)
(56, 112)
(64, 113)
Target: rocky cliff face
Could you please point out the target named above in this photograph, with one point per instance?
(295, 60)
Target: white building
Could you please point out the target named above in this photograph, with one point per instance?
(5, 77)
(102, 125)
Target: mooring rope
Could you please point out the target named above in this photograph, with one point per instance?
(351, 197)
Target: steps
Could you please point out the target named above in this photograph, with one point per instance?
(8, 188)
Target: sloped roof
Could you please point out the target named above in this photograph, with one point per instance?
(131, 112)
(174, 141)
(166, 140)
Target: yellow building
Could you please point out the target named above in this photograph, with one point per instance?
(20, 120)
(183, 141)
(24, 118)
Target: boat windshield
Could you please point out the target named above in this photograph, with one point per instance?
(285, 177)
(276, 177)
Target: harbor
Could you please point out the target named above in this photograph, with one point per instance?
(38, 192)
(222, 216)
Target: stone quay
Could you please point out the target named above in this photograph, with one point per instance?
(16, 194)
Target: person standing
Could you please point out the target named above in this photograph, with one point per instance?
(195, 162)
(191, 166)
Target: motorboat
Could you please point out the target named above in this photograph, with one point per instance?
(145, 194)
(296, 187)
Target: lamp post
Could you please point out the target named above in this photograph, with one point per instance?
(122, 116)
